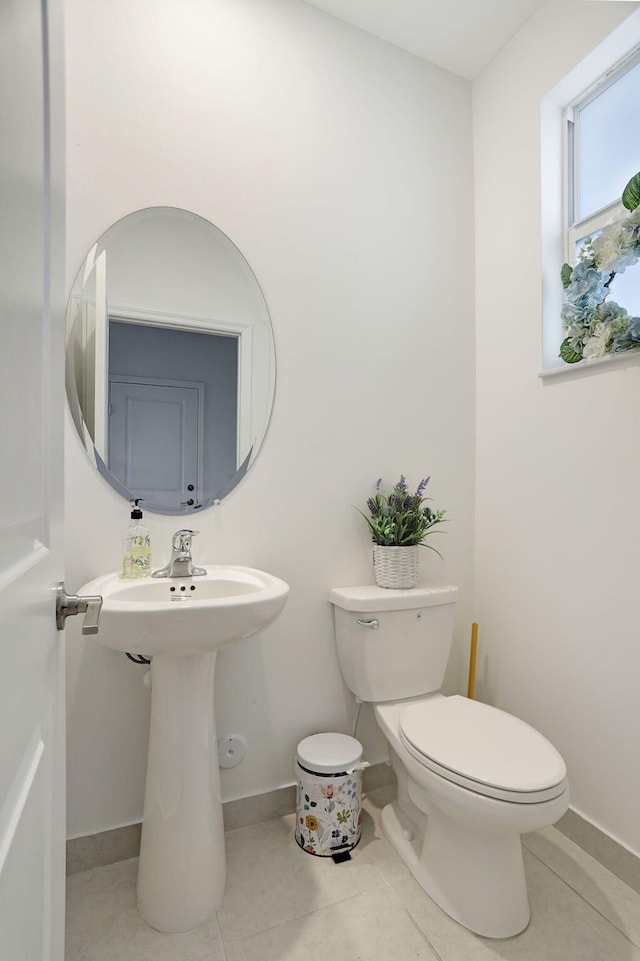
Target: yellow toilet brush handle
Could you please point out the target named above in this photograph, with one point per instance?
(472, 659)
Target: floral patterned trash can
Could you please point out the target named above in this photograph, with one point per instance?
(329, 772)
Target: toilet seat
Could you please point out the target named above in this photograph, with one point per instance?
(483, 749)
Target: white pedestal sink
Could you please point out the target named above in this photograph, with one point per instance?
(181, 623)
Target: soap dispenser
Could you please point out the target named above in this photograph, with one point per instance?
(136, 546)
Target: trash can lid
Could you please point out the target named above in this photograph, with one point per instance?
(329, 753)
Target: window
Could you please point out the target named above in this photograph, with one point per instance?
(590, 148)
(603, 153)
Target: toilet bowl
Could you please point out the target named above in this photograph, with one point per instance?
(471, 778)
(459, 835)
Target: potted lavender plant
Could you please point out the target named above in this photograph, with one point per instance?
(399, 523)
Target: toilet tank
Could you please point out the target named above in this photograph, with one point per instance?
(393, 644)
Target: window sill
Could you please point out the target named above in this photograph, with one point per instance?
(584, 368)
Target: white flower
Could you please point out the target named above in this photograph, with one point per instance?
(597, 344)
(607, 247)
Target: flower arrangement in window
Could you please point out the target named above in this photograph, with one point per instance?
(594, 325)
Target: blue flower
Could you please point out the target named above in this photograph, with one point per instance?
(630, 338)
(571, 315)
(587, 289)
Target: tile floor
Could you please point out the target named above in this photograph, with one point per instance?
(284, 905)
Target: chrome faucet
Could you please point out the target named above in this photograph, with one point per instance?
(181, 563)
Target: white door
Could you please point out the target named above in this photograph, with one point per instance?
(31, 374)
(156, 439)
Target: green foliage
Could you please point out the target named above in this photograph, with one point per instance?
(631, 193)
(568, 354)
(565, 275)
(401, 518)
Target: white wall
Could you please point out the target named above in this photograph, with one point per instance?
(341, 167)
(557, 464)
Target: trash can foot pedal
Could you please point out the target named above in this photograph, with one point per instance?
(339, 858)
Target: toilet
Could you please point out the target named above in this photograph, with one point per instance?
(471, 778)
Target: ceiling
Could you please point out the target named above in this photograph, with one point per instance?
(459, 35)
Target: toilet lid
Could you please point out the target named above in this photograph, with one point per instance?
(479, 743)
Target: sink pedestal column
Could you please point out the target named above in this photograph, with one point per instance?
(181, 875)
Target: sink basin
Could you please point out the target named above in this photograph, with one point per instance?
(186, 615)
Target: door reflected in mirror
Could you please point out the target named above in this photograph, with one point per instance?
(170, 360)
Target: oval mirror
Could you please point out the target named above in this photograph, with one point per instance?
(170, 360)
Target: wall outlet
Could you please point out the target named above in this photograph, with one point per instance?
(232, 750)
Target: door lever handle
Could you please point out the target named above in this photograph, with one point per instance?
(70, 604)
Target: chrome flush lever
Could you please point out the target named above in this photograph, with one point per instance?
(374, 623)
(69, 604)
